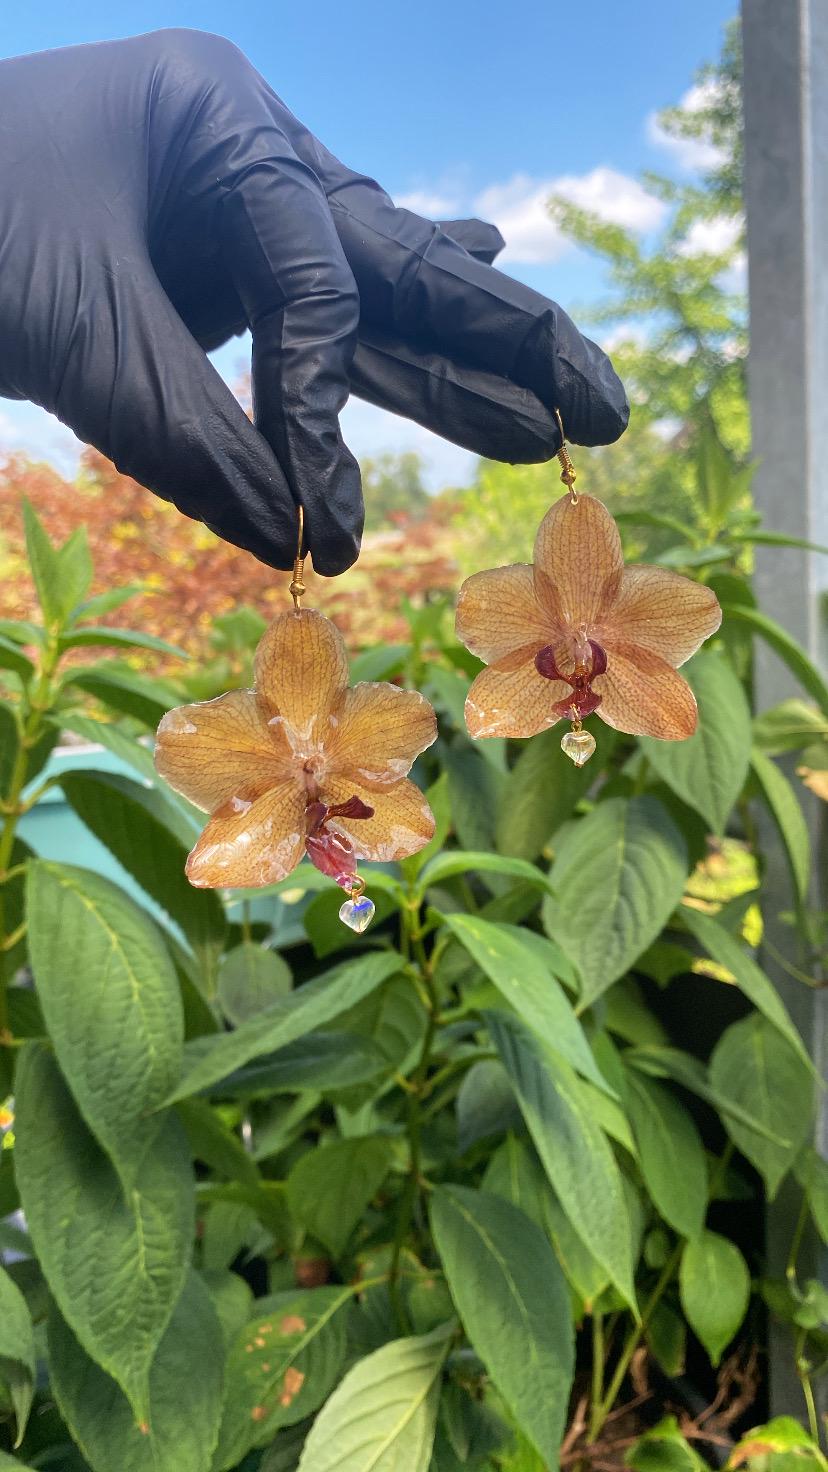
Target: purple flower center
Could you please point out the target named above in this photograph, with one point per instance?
(583, 700)
(331, 851)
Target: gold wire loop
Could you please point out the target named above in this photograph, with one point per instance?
(297, 583)
(568, 475)
(357, 887)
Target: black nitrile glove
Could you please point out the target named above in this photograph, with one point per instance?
(157, 198)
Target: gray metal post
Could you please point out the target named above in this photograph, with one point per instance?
(786, 183)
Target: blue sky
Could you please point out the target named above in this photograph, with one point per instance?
(457, 107)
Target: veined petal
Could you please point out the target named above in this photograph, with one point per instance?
(513, 702)
(258, 844)
(215, 750)
(402, 822)
(661, 611)
(376, 732)
(578, 549)
(301, 670)
(643, 695)
(498, 611)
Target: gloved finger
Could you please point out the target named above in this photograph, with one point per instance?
(301, 301)
(421, 286)
(137, 386)
(480, 411)
(480, 239)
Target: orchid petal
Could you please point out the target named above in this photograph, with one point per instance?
(579, 561)
(643, 695)
(662, 611)
(302, 671)
(215, 750)
(377, 731)
(513, 702)
(402, 821)
(259, 843)
(498, 612)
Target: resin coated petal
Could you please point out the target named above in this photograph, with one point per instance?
(578, 549)
(301, 671)
(644, 696)
(216, 749)
(258, 844)
(662, 611)
(376, 733)
(513, 702)
(401, 824)
(498, 612)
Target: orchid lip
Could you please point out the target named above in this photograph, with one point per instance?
(583, 700)
(330, 851)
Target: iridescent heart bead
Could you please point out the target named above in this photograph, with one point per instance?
(357, 914)
(578, 746)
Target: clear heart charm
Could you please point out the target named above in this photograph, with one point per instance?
(578, 746)
(357, 914)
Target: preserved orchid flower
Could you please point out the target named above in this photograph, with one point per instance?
(577, 632)
(300, 765)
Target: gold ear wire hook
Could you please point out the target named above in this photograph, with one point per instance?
(568, 473)
(297, 582)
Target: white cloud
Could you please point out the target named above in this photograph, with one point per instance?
(430, 203)
(712, 237)
(519, 208)
(692, 155)
(626, 332)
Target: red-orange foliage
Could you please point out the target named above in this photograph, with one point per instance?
(190, 576)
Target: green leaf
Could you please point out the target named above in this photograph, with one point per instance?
(13, 658)
(788, 817)
(788, 726)
(214, 1144)
(811, 1170)
(684, 556)
(667, 1339)
(502, 952)
(185, 1387)
(640, 517)
(330, 1187)
(208, 1059)
(447, 865)
(572, 1148)
(17, 1351)
(379, 663)
(104, 733)
(281, 1368)
(80, 638)
(382, 1416)
(115, 1263)
(43, 564)
(124, 691)
(111, 1001)
(9, 747)
(708, 770)
(756, 1067)
(541, 791)
(485, 1104)
(250, 978)
(11, 1464)
(150, 838)
(682, 1068)
(781, 1435)
(514, 1303)
(75, 570)
(437, 797)
(671, 1154)
(714, 1283)
(787, 648)
(107, 602)
(727, 951)
(664, 1449)
(327, 1061)
(721, 481)
(776, 539)
(617, 878)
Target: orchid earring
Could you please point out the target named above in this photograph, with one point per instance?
(577, 633)
(301, 765)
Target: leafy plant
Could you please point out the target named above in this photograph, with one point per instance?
(356, 1203)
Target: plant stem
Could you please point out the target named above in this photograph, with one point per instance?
(598, 1352)
(411, 1190)
(634, 1338)
(802, 1370)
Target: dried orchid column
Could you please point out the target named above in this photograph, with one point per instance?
(577, 632)
(301, 765)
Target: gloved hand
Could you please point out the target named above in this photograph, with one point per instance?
(156, 198)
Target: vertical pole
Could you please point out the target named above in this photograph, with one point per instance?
(786, 189)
